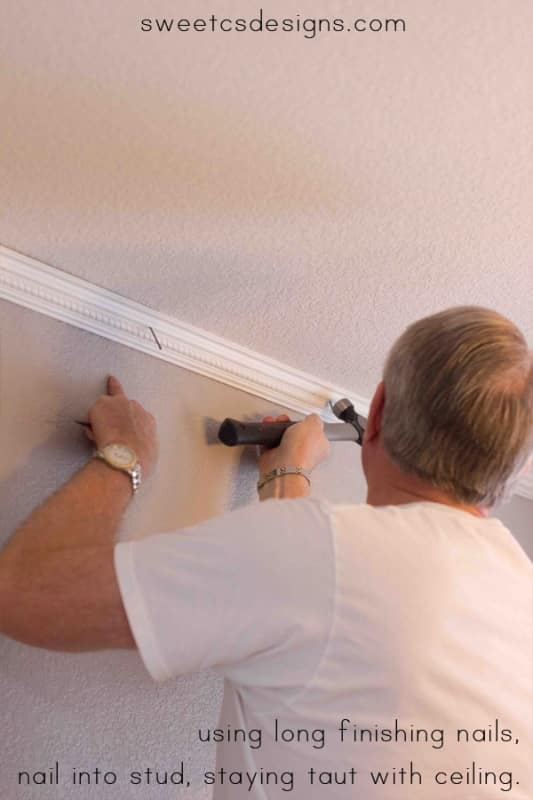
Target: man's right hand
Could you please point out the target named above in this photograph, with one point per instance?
(116, 418)
(303, 444)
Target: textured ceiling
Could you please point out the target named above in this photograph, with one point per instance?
(307, 198)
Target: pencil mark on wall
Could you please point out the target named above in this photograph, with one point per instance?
(158, 343)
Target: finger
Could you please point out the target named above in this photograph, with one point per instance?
(114, 386)
(282, 418)
(268, 419)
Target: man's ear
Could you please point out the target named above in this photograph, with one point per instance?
(373, 423)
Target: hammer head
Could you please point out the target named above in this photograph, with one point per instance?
(344, 409)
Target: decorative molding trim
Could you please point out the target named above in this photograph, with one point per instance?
(524, 486)
(50, 291)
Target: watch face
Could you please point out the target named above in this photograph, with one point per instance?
(119, 455)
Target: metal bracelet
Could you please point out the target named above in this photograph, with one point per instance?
(136, 476)
(277, 472)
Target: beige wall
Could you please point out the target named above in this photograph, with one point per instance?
(518, 516)
(370, 180)
(103, 709)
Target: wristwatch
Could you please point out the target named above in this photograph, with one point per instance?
(122, 457)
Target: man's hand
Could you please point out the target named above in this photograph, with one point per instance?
(116, 418)
(303, 444)
(58, 587)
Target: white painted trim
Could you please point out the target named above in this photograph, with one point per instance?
(525, 486)
(35, 285)
(50, 291)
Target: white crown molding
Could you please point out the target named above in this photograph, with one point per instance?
(524, 486)
(50, 291)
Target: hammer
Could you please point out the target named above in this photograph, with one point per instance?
(269, 434)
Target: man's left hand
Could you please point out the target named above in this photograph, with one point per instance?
(116, 418)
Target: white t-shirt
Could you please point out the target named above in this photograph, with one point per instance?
(409, 622)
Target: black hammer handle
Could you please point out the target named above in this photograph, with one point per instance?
(233, 432)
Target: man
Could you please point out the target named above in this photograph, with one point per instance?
(374, 650)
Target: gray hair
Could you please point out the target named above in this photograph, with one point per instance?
(459, 403)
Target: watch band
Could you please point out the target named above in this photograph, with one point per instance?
(134, 472)
(278, 471)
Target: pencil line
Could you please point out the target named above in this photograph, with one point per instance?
(155, 337)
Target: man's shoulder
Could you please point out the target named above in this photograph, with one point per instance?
(425, 527)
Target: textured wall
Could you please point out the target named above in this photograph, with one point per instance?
(304, 197)
(103, 709)
(518, 516)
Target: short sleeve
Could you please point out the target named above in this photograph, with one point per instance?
(239, 589)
